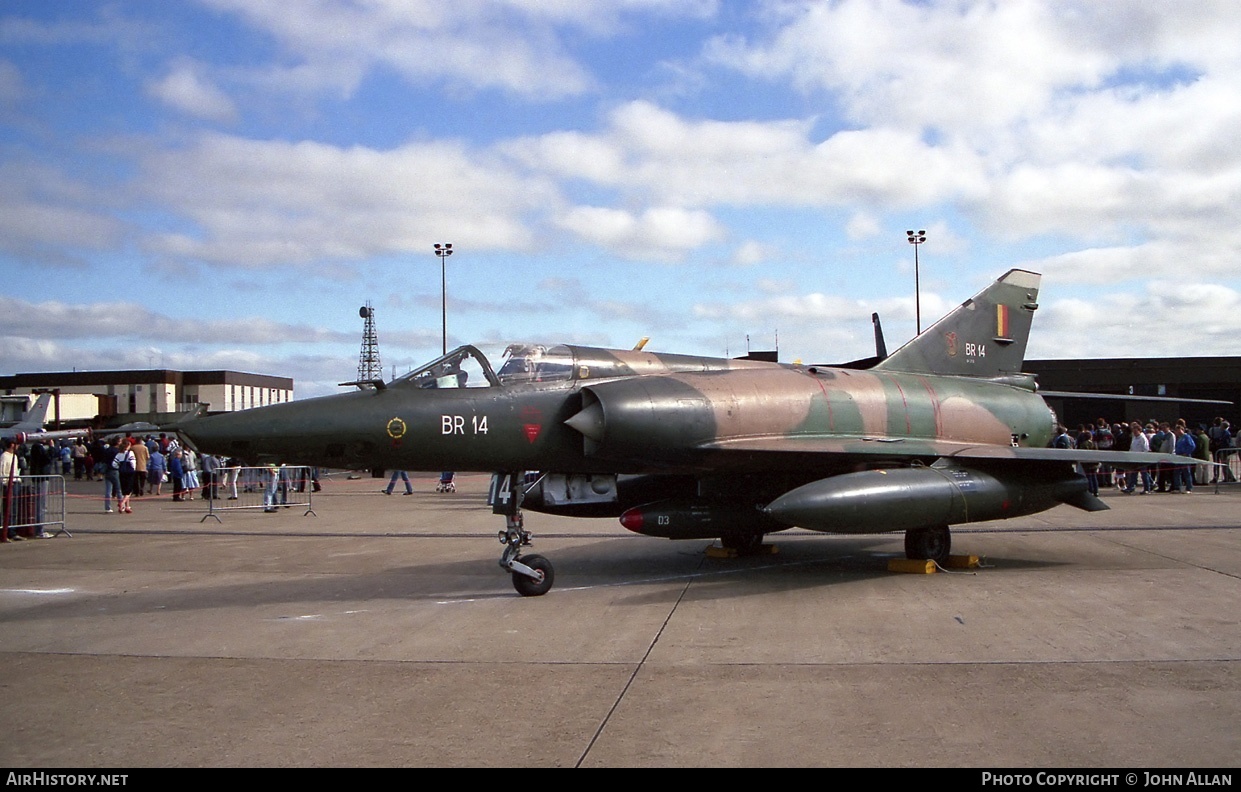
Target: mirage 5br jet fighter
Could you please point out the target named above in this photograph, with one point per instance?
(946, 430)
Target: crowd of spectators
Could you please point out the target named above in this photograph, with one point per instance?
(129, 467)
(1208, 446)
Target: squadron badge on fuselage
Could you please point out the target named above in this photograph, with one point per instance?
(396, 430)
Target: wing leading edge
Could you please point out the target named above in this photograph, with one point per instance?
(867, 449)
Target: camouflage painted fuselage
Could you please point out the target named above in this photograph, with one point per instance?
(798, 418)
(718, 416)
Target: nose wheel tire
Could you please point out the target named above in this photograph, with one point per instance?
(530, 587)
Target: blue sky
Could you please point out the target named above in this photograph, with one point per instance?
(222, 183)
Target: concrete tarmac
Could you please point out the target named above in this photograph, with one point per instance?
(381, 632)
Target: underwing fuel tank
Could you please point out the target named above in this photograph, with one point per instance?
(696, 518)
(878, 501)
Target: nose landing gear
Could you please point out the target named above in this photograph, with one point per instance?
(532, 574)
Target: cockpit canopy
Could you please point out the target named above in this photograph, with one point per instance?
(536, 363)
(463, 367)
(467, 367)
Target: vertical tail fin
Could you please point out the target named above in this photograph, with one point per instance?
(984, 337)
(36, 416)
(881, 346)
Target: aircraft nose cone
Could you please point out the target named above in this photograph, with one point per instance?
(589, 422)
(212, 434)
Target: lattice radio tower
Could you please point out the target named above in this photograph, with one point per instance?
(369, 368)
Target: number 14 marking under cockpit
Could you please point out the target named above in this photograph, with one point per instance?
(455, 424)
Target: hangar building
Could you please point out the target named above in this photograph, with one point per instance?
(1188, 377)
(147, 394)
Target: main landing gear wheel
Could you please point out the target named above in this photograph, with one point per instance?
(931, 544)
(538, 585)
(743, 544)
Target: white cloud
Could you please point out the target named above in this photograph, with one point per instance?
(1092, 120)
(822, 328)
(602, 17)
(263, 203)
(186, 91)
(28, 224)
(1156, 322)
(517, 47)
(1115, 265)
(817, 307)
(664, 233)
(667, 159)
(60, 336)
(749, 253)
(332, 46)
(133, 322)
(27, 354)
(862, 225)
(49, 217)
(972, 65)
(900, 64)
(313, 375)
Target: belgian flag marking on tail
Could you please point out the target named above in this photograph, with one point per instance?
(1001, 321)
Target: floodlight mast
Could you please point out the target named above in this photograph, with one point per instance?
(916, 239)
(443, 251)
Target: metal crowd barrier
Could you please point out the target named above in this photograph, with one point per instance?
(1227, 467)
(266, 488)
(32, 502)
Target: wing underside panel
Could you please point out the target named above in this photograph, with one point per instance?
(863, 449)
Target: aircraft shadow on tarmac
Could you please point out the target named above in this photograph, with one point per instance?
(655, 571)
(468, 502)
(802, 562)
